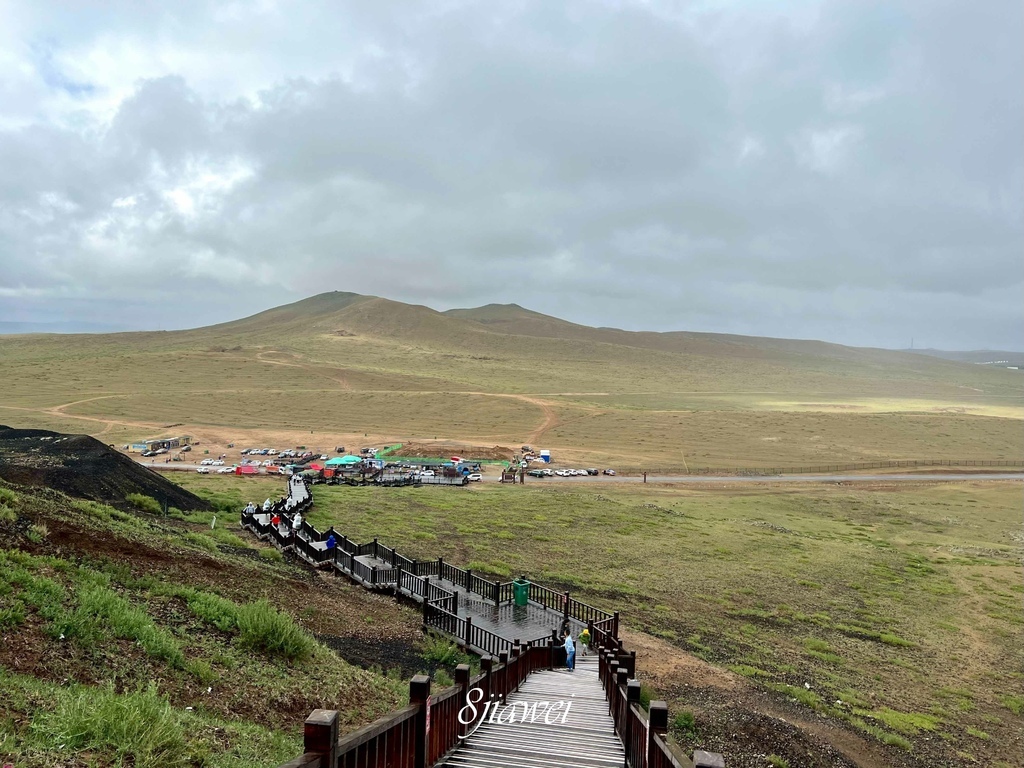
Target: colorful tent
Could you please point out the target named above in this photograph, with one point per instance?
(342, 461)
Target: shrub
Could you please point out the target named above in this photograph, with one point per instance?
(263, 628)
(7, 515)
(778, 762)
(215, 610)
(12, 616)
(1013, 703)
(129, 622)
(140, 728)
(441, 652)
(145, 503)
(7, 496)
(685, 723)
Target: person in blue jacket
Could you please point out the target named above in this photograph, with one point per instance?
(570, 653)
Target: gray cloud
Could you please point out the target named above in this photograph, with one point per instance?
(839, 170)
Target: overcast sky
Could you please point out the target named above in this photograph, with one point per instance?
(846, 170)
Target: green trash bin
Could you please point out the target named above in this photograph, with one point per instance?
(521, 591)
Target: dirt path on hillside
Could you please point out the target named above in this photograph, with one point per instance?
(340, 379)
(108, 424)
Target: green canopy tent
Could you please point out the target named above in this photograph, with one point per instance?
(342, 461)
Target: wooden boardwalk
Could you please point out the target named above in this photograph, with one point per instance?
(585, 740)
(598, 723)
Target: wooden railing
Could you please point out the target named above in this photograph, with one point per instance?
(429, 728)
(644, 735)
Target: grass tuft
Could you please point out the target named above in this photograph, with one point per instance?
(264, 628)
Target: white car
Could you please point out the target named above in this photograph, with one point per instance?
(427, 473)
(203, 470)
(217, 463)
(324, 457)
(271, 452)
(562, 472)
(206, 462)
(268, 463)
(474, 477)
(226, 471)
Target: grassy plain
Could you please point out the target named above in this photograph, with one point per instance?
(900, 608)
(339, 368)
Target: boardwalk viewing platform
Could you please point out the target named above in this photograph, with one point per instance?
(525, 707)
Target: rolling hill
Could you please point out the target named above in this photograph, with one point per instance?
(350, 366)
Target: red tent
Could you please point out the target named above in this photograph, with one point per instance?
(315, 467)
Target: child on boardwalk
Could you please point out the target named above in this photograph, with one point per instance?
(585, 640)
(570, 653)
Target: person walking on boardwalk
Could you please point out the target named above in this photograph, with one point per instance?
(297, 522)
(275, 520)
(585, 640)
(570, 653)
(331, 543)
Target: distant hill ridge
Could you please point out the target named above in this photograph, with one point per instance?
(474, 328)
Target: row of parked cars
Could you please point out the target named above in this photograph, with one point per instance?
(568, 472)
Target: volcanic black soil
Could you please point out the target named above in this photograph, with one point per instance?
(84, 467)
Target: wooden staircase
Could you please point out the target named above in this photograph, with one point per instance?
(586, 740)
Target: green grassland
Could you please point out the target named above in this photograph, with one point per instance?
(340, 364)
(899, 608)
(132, 639)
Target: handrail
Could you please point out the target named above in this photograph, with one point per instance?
(403, 739)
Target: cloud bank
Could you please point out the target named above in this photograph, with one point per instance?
(842, 170)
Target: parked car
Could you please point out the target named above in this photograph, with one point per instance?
(226, 471)
(217, 463)
(186, 448)
(206, 462)
(324, 457)
(592, 471)
(203, 470)
(147, 454)
(268, 463)
(427, 473)
(609, 472)
(474, 477)
(537, 473)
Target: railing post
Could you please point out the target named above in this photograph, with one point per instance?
(486, 666)
(609, 684)
(657, 727)
(469, 579)
(455, 602)
(615, 625)
(497, 593)
(462, 680)
(320, 735)
(632, 697)
(565, 611)
(469, 631)
(375, 545)
(440, 567)
(702, 759)
(398, 581)
(419, 693)
(373, 575)
(503, 687)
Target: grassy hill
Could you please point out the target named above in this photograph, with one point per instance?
(350, 367)
(133, 638)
